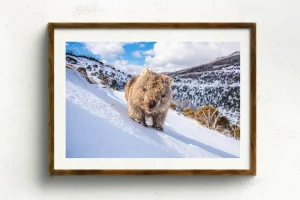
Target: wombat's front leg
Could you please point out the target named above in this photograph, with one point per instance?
(137, 115)
(158, 121)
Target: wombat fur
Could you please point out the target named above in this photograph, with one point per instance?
(149, 96)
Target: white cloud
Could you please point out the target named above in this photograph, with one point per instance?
(126, 67)
(106, 50)
(149, 52)
(136, 54)
(180, 55)
(165, 56)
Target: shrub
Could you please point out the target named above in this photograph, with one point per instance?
(101, 76)
(104, 80)
(113, 83)
(172, 106)
(71, 60)
(223, 123)
(235, 131)
(70, 66)
(82, 70)
(188, 113)
(89, 68)
(208, 116)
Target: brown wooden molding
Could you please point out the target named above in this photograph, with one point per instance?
(147, 25)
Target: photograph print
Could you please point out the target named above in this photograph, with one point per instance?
(152, 99)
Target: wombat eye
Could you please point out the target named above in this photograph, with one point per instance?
(163, 96)
(144, 89)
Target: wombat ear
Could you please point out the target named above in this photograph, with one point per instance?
(167, 79)
(144, 71)
(170, 80)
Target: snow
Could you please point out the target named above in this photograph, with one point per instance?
(93, 69)
(98, 126)
(221, 90)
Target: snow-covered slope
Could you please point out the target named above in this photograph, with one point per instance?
(98, 126)
(99, 72)
(216, 83)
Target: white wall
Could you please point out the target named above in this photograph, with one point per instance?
(23, 104)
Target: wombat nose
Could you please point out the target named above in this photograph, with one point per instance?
(152, 104)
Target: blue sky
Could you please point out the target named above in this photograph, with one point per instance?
(133, 52)
(79, 48)
(157, 56)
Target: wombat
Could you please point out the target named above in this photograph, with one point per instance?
(149, 96)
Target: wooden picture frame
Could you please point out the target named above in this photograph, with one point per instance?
(52, 27)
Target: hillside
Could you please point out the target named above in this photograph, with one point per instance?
(216, 83)
(98, 72)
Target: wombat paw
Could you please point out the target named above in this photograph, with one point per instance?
(140, 122)
(144, 124)
(158, 128)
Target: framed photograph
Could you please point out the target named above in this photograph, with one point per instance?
(152, 98)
